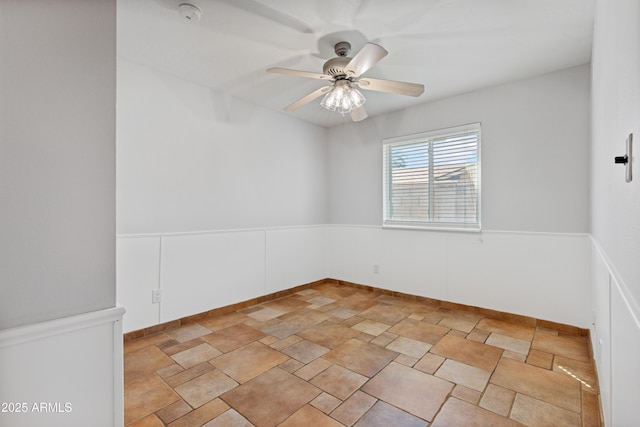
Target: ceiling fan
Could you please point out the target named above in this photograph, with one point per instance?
(345, 74)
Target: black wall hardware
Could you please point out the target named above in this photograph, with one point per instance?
(627, 159)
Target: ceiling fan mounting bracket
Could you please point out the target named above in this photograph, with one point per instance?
(342, 48)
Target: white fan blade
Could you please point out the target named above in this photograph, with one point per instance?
(307, 99)
(358, 114)
(298, 73)
(368, 56)
(390, 86)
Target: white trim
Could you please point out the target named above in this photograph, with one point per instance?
(221, 231)
(23, 334)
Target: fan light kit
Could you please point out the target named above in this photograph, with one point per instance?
(344, 72)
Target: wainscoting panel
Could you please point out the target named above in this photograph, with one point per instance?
(541, 275)
(625, 353)
(294, 256)
(204, 271)
(63, 372)
(137, 275)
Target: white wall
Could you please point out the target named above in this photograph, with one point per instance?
(534, 149)
(57, 155)
(615, 208)
(532, 257)
(190, 159)
(538, 267)
(218, 201)
(60, 334)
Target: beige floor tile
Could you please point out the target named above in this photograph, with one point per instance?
(189, 332)
(264, 314)
(155, 339)
(205, 388)
(320, 301)
(287, 342)
(287, 393)
(429, 363)
(233, 337)
(371, 327)
(363, 358)
(536, 413)
(188, 374)
(583, 372)
(144, 361)
(305, 351)
(383, 339)
(413, 391)
(419, 330)
(169, 371)
(199, 416)
(466, 394)
(472, 353)
(223, 321)
(282, 330)
(462, 414)
(540, 359)
(310, 416)
(229, 418)
(174, 411)
(405, 360)
(497, 399)
(513, 330)
(508, 354)
(384, 415)
(291, 365)
(173, 347)
(466, 375)
(338, 381)
(478, 335)
(145, 395)
(385, 314)
(304, 318)
(312, 369)
(509, 343)
(568, 346)
(409, 347)
(287, 304)
(196, 355)
(327, 354)
(458, 324)
(353, 408)
(551, 387)
(590, 410)
(325, 402)
(343, 312)
(148, 421)
(249, 361)
(328, 335)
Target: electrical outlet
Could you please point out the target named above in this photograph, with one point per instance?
(156, 296)
(376, 268)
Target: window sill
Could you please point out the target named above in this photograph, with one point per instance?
(432, 227)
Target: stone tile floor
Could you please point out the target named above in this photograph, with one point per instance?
(339, 356)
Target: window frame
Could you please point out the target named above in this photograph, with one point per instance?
(424, 137)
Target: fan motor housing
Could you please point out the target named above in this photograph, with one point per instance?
(335, 66)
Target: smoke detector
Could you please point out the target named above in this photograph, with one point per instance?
(189, 12)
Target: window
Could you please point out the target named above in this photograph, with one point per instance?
(432, 179)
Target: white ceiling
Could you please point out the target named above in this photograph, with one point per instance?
(450, 46)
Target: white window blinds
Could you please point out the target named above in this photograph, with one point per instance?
(433, 179)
